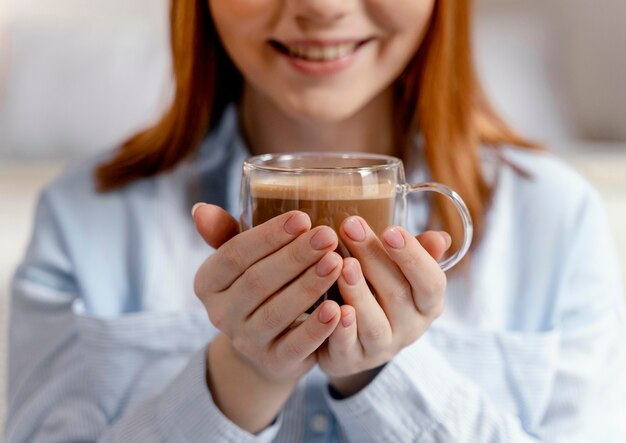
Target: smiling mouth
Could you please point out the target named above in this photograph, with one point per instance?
(317, 52)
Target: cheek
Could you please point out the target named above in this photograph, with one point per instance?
(404, 28)
(239, 10)
(401, 16)
(242, 20)
(242, 26)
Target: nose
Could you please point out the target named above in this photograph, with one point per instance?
(319, 12)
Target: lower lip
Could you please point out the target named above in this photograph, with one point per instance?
(320, 68)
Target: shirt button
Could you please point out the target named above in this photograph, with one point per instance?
(319, 423)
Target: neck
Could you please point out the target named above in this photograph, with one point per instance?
(269, 129)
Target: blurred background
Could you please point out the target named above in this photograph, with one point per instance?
(79, 76)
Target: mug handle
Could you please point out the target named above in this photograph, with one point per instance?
(459, 204)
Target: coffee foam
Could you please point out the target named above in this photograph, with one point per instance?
(319, 188)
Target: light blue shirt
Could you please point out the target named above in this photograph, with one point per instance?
(107, 339)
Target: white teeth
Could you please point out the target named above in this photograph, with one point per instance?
(319, 53)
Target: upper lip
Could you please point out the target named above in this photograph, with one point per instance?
(319, 43)
(296, 46)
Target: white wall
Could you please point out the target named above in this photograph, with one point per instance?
(581, 47)
(595, 35)
(518, 59)
(80, 75)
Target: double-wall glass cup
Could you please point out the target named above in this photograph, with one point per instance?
(330, 187)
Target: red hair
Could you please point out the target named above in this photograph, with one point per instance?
(438, 95)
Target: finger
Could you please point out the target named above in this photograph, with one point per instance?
(223, 267)
(393, 292)
(273, 272)
(420, 269)
(435, 243)
(305, 339)
(344, 342)
(374, 331)
(365, 246)
(276, 315)
(214, 224)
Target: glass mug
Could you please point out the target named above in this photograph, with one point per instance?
(330, 186)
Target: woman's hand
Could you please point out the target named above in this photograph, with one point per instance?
(405, 294)
(254, 287)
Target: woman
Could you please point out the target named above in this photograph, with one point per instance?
(110, 342)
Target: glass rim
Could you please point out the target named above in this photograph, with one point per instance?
(262, 162)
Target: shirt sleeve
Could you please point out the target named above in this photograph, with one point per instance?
(420, 396)
(76, 378)
(184, 412)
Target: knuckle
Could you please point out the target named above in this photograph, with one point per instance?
(292, 350)
(314, 333)
(232, 256)
(407, 259)
(436, 285)
(254, 281)
(218, 317)
(404, 292)
(203, 284)
(344, 353)
(271, 237)
(251, 338)
(270, 316)
(199, 286)
(376, 334)
(295, 255)
(310, 286)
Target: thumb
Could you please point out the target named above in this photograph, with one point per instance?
(435, 243)
(215, 225)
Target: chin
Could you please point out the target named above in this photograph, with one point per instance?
(323, 111)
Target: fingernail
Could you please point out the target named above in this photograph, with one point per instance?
(327, 313)
(353, 227)
(447, 238)
(327, 264)
(348, 319)
(351, 273)
(393, 237)
(297, 222)
(323, 238)
(195, 207)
